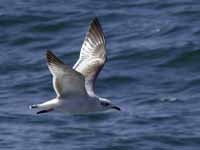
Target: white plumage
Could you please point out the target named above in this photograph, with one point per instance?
(75, 88)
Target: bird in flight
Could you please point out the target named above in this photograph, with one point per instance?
(75, 87)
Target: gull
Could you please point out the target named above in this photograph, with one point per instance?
(75, 87)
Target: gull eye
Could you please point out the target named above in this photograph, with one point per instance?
(105, 103)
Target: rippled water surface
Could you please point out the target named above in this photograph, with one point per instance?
(153, 73)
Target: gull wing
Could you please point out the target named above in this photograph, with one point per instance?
(66, 81)
(92, 56)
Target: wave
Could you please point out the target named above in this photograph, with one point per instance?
(185, 59)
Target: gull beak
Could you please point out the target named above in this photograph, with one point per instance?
(117, 108)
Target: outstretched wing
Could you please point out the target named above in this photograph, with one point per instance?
(66, 81)
(92, 56)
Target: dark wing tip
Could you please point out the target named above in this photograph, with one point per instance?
(95, 28)
(95, 23)
(51, 58)
(95, 20)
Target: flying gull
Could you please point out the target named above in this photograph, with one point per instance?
(75, 87)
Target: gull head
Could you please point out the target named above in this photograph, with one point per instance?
(106, 104)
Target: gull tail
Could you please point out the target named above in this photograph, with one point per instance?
(45, 107)
(33, 106)
(41, 111)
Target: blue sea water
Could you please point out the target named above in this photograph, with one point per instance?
(152, 73)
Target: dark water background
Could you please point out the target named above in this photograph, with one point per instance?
(153, 73)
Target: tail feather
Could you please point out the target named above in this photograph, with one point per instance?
(33, 106)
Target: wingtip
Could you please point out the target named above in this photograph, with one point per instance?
(96, 28)
(48, 55)
(48, 52)
(95, 18)
(52, 58)
(95, 21)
